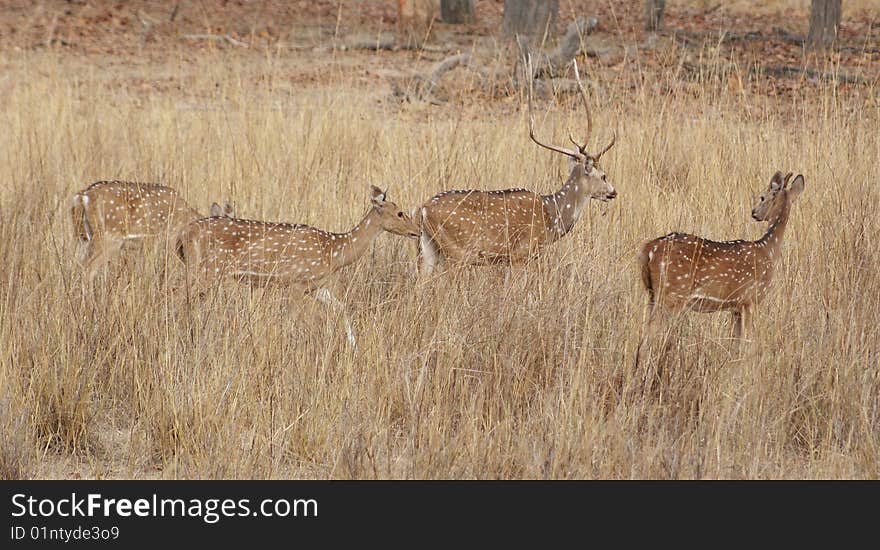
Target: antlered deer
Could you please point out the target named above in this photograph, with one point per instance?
(684, 271)
(297, 255)
(106, 214)
(512, 225)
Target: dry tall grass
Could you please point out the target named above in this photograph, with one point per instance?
(474, 373)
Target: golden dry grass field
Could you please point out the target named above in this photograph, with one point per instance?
(471, 373)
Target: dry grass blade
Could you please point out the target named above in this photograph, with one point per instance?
(483, 372)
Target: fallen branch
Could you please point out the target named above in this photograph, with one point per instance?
(421, 87)
(784, 71)
(859, 49)
(552, 87)
(381, 42)
(772, 71)
(389, 45)
(372, 45)
(689, 38)
(788, 37)
(216, 37)
(799, 40)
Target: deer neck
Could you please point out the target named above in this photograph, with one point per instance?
(346, 248)
(566, 205)
(180, 214)
(179, 217)
(772, 239)
(191, 215)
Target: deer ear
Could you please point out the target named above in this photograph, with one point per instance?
(797, 187)
(377, 196)
(216, 210)
(777, 181)
(228, 210)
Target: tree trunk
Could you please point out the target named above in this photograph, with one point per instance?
(552, 63)
(533, 18)
(824, 23)
(457, 11)
(654, 14)
(414, 20)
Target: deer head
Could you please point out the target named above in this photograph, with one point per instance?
(585, 170)
(771, 204)
(391, 217)
(222, 211)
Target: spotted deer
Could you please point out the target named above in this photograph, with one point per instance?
(685, 271)
(511, 226)
(297, 255)
(106, 214)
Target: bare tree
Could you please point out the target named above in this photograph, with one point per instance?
(534, 18)
(654, 14)
(457, 11)
(824, 23)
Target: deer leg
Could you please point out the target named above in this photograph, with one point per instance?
(655, 322)
(324, 296)
(429, 253)
(190, 282)
(100, 252)
(644, 342)
(199, 279)
(658, 318)
(511, 271)
(652, 326)
(748, 320)
(419, 260)
(83, 250)
(738, 318)
(198, 274)
(736, 324)
(169, 252)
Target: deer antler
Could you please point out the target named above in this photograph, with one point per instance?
(609, 146)
(581, 148)
(577, 155)
(583, 93)
(577, 76)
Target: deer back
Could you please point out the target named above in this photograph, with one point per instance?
(485, 227)
(127, 210)
(684, 270)
(256, 249)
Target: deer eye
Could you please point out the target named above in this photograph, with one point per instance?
(400, 214)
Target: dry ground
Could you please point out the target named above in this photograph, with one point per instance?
(472, 373)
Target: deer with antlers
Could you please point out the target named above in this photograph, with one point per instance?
(106, 214)
(685, 271)
(511, 226)
(297, 255)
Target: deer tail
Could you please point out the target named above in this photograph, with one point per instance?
(186, 245)
(645, 255)
(79, 213)
(180, 245)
